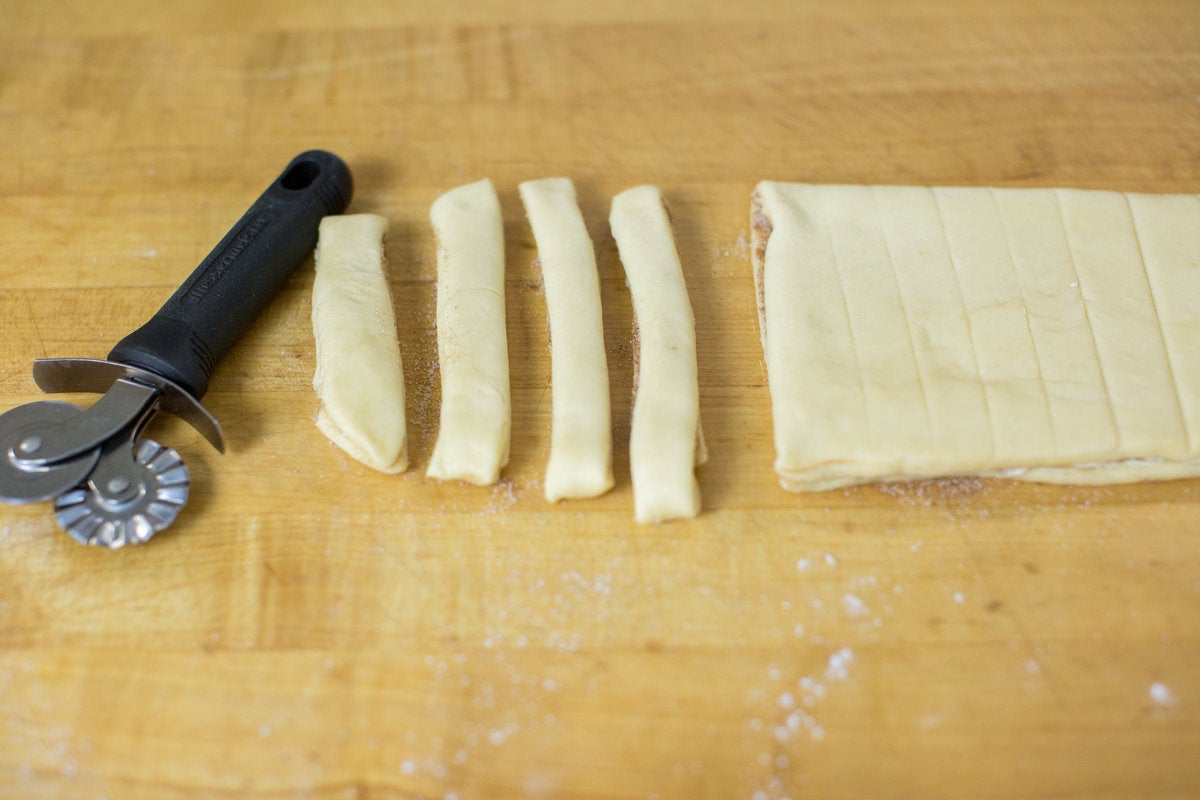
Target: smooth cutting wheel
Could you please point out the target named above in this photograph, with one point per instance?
(21, 429)
(163, 491)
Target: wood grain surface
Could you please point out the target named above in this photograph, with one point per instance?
(311, 629)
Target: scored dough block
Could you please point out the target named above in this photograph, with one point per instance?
(580, 463)
(473, 435)
(1038, 334)
(358, 378)
(665, 441)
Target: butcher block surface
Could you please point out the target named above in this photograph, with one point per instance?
(311, 629)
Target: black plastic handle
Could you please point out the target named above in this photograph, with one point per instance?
(218, 302)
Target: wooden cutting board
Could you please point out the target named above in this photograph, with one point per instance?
(311, 629)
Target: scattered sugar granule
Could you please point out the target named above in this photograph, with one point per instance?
(1161, 694)
(854, 605)
(501, 735)
(408, 767)
(803, 564)
(838, 667)
(830, 559)
(786, 700)
(958, 598)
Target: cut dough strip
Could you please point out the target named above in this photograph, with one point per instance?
(580, 463)
(666, 442)
(358, 379)
(475, 423)
(1040, 334)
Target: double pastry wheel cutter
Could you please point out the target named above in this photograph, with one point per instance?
(110, 485)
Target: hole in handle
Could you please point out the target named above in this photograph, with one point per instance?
(301, 175)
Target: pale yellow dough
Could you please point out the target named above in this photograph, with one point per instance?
(475, 422)
(665, 442)
(358, 379)
(580, 463)
(1039, 334)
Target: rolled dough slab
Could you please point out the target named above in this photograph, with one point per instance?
(1038, 334)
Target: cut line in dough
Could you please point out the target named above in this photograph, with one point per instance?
(475, 419)
(665, 442)
(358, 379)
(1039, 334)
(580, 463)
